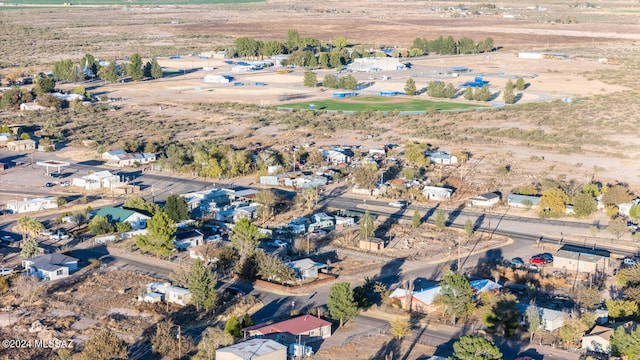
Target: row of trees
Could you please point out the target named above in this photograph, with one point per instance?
(88, 67)
(449, 46)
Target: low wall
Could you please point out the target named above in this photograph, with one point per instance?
(322, 279)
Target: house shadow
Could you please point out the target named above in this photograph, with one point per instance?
(391, 272)
(265, 313)
(531, 353)
(485, 264)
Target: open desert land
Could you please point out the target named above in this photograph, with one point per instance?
(594, 136)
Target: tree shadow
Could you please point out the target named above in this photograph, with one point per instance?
(391, 272)
(429, 213)
(453, 215)
(485, 264)
(389, 350)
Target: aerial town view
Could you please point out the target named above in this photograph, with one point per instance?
(287, 179)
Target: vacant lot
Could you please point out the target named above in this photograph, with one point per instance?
(378, 104)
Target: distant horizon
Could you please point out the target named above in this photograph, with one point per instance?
(120, 2)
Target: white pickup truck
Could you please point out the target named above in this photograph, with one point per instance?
(59, 236)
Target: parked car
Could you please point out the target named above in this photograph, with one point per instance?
(548, 258)
(65, 183)
(517, 262)
(277, 243)
(49, 184)
(399, 204)
(6, 271)
(629, 262)
(536, 261)
(8, 238)
(59, 236)
(231, 291)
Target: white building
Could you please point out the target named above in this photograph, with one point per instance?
(254, 349)
(50, 266)
(372, 64)
(97, 180)
(218, 79)
(29, 205)
(441, 157)
(121, 158)
(486, 199)
(436, 193)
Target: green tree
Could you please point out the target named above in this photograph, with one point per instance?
(436, 89)
(65, 70)
(323, 61)
(307, 197)
(12, 98)
(468, 228)
(247, 320)
(271, 48)
(90, 66)
(176, 208)
(591, 189)
(310, 79)
(475, 348)
(109, 72)
(520, 84)
(310, 59)
(625, 342)
(410, 87)
(140, 204)
(104, 345)
(634, 212)
(482, 94)
(456, 295)
(449, 91)
(100, 225)
(508, 95)
(232, 327)
(340, 43)
(29, 248)
(503, 314)
(416, 220)
(44, 85)
(414, 153)
(629, 276)
(367, 228)
(202, 283)
(123, 227)
(348, 82)
(245, 237)
(212, 339)
(29, 225)
(159, 237)
(365, 176)
(267, 199)
(25, 136)
(336, 60)
(293, 40)
(271, 267)
(246, 47)
(135, 67)
(329, 81)
(341, 304)
(440, 221)
(534, 321)
(468, 93)
(401, 326)
(584, 204)
(156, 69)
(146, 70)
(621, 309)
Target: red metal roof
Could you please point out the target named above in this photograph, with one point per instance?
(296, 326)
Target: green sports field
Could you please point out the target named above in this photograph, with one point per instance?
(125, 2)
(378, 103)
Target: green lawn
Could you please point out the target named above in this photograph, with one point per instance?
(379, 103)
(125, 2)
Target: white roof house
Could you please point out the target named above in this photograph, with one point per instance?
(441, 157)
(254, 349)
(376, 64)
(97, 180)
(551, 319)
(523, 201)
(29, 205)
(486, 199)
(121, 158)
(436, 192)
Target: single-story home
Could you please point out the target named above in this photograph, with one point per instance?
(121, 158)
(305, 327)
(523, 201)
(50, 266)
(422, 300)
(178, 295)
(336, 156)
(254, 349)
(21, 145)
(581, 259)
(598, 339)
(436, 192)
(441, 157)
(29, 205)
(305, 268)
(174, 294)
(487, 199)
(97, 180)
(551, 320)
(115, 215)
(187, 239)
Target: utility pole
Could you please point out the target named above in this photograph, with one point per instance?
(459, 245)
(179, 342)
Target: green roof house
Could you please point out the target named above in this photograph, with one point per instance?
(115, 215)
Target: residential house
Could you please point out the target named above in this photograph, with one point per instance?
(582, 259)
(115, 215)
(97, 180)
(305, 268)
(625, 208)
(371, 244)
(187, 239)
(344, 221)
(50, 266)
(29, 205)
(205, 202)
(305, 328)
(436, 193)
(337, 156)
(523, 201)
(21, 145)
(598, 340)
(254, 349)
(441, 157)
(422, 300)
(322, 221)
(121, 158)
(178, 295)
(246, 212)
(551, 319)
(377, 153)
(485, 200)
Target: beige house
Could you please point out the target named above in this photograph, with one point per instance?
(371, 244)
(581, 259)
(254, 349)
(21, 145)
(598, 339)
